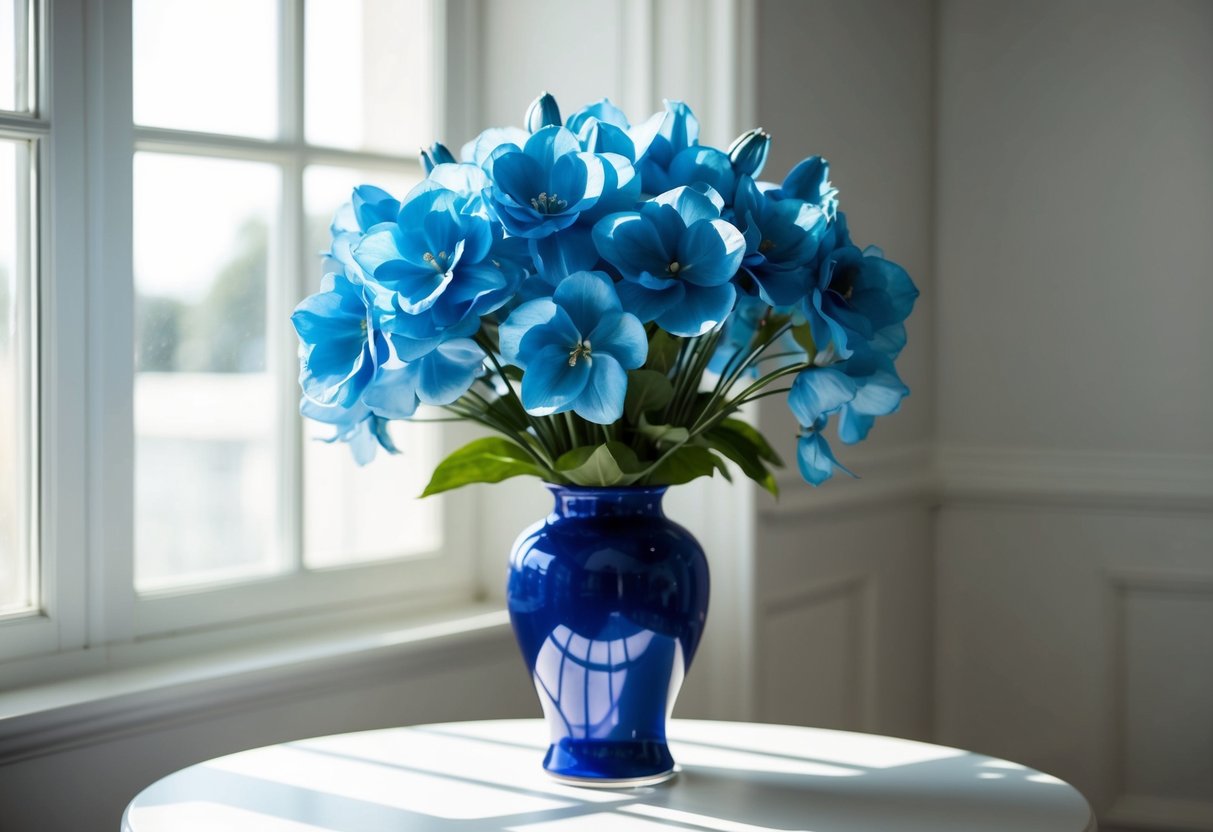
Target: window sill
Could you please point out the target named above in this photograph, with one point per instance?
(46, 718)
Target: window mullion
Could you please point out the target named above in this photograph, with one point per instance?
(110, 308)
(285, 283)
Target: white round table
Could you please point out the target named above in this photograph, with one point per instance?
(735, 777)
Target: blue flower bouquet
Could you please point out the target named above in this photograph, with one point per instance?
(604, 298)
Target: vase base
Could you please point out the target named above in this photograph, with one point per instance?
(614, 782)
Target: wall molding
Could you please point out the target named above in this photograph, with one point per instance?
(1096, 479)
(933, 475)
(886, 476)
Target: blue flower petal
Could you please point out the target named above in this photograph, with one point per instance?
(448, 372)
(559, 331)
(815, 459)
(547, 145)
(623, 337)
(601, 401)
(854, 427)
(586, 297)
(559, 255)
(819, 392)
(520, 321)
(692, 204)
(550, 384)
(710, 252)
(701, 309)
(393, 393)
(645, 303)
(630, 243)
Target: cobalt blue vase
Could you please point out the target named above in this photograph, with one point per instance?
(608, 598)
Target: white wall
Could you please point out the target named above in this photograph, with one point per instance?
(843, 573)
(1074, 288)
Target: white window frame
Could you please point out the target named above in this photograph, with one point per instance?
(85, 405)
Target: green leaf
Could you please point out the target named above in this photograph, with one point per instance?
(685, 464)
(803, 336)
(744, 445)
(612, 463)
(508, 410)
(511, 372)
(648, 390)
(491, 459)
(750, 433)
(661, 435)
(663, 352)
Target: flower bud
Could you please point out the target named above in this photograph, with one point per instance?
(542, 113)
(435, 154)
(748, 152)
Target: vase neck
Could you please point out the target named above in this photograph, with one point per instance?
(578, 501)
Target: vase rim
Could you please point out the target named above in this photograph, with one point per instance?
(556, 487)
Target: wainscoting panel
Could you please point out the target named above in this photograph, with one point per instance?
(1075, 635)
(1164, 665)
(819, 672)
(843, 611)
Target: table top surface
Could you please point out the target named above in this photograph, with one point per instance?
(734, 777)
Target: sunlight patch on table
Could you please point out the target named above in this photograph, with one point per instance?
(370, 782)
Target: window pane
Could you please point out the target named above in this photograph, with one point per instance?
(209, 66)
(17, 591)
(355, 515)
(205, 416)
(326, 190)
(369, 74)
(352, 514)
(14, 58)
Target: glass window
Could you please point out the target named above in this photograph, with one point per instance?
(17, 573)
(207, 66)
(14, 55)
(228, 487)
(368, 75)
(205, 415)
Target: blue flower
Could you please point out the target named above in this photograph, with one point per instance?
(437, 376)
(361, 429)
(435, 262)
(748, 152)
(337, 353)
(659, 140)
(434, 155)
(479, 149)
(575, 349)
(859, 389)
(543, 187)
(879, 391)
(677, 259)
(542, 113)
(813, 455)
(860, 302)
(782, 240)
(810, 181)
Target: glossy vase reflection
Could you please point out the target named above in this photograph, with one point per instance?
(608, 598)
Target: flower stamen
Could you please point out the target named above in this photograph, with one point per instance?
(674, 267)
(580, 349)
(438, 263)
(547, 203)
